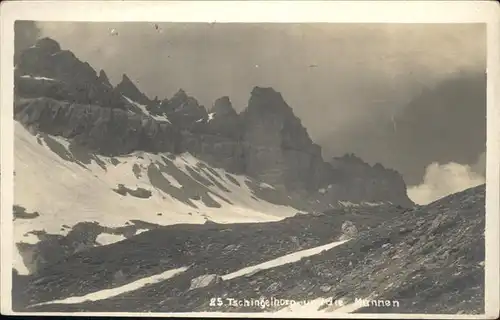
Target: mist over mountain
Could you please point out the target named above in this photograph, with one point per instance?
(433, 127)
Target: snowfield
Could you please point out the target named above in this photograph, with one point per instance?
(66, 192)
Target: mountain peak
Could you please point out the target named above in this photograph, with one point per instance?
(127, 88)
(183, 110)
(263, 90)
(48, 45)
(265, 100)
(103, 77)
(126, 81)
(223, 106)
(75, 80)
(180, 94)
(350, 158)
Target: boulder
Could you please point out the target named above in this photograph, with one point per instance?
(349, 230)
(205, 281)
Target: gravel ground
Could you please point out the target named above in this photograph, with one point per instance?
(430, 259)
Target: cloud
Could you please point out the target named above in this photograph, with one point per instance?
(480, 165)
(441, 180)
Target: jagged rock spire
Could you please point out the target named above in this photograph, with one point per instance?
(103, 77)
(127, 88)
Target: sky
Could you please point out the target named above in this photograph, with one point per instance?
(399, 94)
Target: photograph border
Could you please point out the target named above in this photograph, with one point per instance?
(487, 12)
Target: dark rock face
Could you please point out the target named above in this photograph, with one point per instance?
(224, 107)
(138, 192)
(184, 111)
(127, 88)
(19, 212)
(69, 78)
(103, 78)
(103, 130)
(218, 137)
(278, 149)
(356, 179)
(224, 121)
(219, 151)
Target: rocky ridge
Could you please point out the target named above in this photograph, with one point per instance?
(58, 94)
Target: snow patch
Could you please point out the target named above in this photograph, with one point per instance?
(289, 258)
(211, 116)
(145, 110)
(373, 204)
(109, 238)
(185, 160)
(266, 186)
(37, 78)
(29, 238)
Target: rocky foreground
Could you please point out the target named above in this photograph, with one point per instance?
(430, 259)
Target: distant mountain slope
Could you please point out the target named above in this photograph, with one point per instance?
(429, 259)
